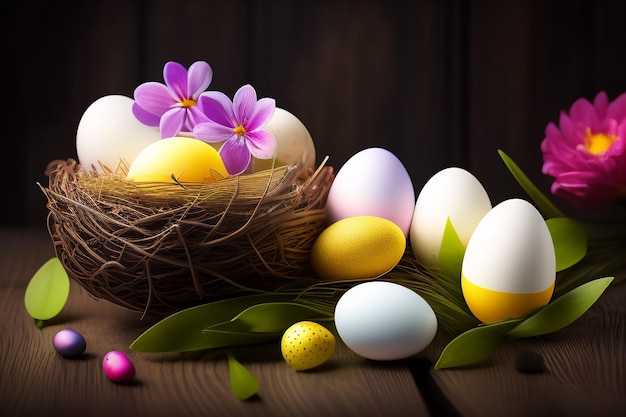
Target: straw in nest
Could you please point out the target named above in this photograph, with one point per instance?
(158, 248)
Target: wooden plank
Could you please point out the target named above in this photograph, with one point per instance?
(585, 370)
(35, 380)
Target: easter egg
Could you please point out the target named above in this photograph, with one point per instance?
(357, 247)
(108, 133)
(373, 182)
(509, 267)
(179, 159)
(452, 193)
(118, 367)
(306, 345)
(384, 321)
(294, 144)
(69, 343)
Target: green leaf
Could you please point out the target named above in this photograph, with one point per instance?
(562, 311)
(47, 291)
(242, 382)
(570, 241)
(272, 317)
(474, 345)
(184, 330)
(451, 252)
(545, 206)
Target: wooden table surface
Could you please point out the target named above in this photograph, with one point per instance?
(585, 367)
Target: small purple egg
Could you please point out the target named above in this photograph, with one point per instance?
(69, 343)
(117, 367)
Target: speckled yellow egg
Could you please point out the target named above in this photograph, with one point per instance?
(357, 247)
(178, 159)
(509, 266)
(306, 345)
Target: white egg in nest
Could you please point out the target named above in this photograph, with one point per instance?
(108, 134)
(294, 144)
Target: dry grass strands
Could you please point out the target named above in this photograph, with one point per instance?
(159, 248)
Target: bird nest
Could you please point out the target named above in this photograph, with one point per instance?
(159, 248)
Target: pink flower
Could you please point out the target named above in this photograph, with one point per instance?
(173, 106)
(586, 153)
(239, 124)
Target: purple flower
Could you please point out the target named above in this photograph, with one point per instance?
(173, 106)
(586, 153)
(239, 125)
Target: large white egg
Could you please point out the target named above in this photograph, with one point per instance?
(294, 144)
(452, 193)
(382, 320)
(109, 133)
(509, 267)
(373, 182)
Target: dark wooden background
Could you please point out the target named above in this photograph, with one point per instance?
(437, 82)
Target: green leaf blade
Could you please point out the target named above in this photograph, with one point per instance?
(47, 291)
(563, 311)
(546, 207)
(243, 383)
(474, 345)
(184, 331)
(276, 317)
(570, 241)
(451, 252)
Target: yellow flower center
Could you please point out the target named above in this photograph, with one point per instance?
(240, 131)
(187, 102)
(598, 143)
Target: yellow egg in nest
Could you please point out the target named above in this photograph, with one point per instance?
(178, 160)
(306, 345)
(357, 247)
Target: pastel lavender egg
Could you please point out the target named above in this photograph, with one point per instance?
(118, 367)
(69, 343)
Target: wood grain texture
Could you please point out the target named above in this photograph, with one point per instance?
(585, 370)
(35, 380)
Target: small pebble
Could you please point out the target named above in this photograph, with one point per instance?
(69, 343)
(117, 367)
(529, 362)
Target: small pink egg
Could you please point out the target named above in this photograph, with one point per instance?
(117, 367)
(69, 343)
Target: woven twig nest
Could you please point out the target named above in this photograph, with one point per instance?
(159, 248)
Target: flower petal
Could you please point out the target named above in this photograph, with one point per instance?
(217, 106)
(261, 144)
(175, 76)
(617, 108)
(263, 112)
(144, 116)
(198, 78)
(235, 155)
(195, 116)
(154, 98)
(244, 103)
(172, 122)
(211, 131)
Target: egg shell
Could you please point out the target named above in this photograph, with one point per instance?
(109, 133)
(189, 160)
(357, 247)
(307, 345)
(69, 343)
(509, 266)
(118, 367)
(452, 193)
(373, 182)
(384, 321)
(294, 144)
